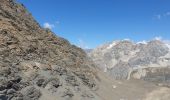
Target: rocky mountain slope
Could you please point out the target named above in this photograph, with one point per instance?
(126, 59)
(37, 65)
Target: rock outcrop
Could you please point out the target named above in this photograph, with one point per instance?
(125, 59)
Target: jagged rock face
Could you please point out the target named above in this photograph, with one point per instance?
(125, 59)
(33, 59)
(108, 55)
(150, 53)
(120, 71)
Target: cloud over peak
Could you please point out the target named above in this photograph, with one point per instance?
(158, 38)
(48, 25)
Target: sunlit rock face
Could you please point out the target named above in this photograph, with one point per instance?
(126, 59)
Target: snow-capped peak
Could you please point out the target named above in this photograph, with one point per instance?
(111, 45)
(142, 42)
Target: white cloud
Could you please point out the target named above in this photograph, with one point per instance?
(48, 25)
(158, 38)
(82, 44)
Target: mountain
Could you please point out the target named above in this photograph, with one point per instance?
(126, 59)
(35, 64)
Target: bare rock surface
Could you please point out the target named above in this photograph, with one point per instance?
(125, 59)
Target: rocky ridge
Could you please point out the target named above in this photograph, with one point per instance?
(126, 59)
(34, 60)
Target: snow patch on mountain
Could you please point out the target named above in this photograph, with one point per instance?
(112, 45)
(142, 42)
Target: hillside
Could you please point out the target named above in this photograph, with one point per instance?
(33, 60)
(36, 64)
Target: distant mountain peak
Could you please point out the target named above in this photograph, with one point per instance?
(135, 55)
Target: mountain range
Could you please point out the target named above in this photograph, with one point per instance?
(125, 59)
(36, 64)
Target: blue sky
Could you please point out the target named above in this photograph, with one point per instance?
(89, 23)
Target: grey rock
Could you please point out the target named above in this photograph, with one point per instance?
(87, 95)
(31, 93)
(3, 92)
(11, 91)
(68, 93)
(120, 71)
(72, 80)
(40, 82)
(3, 97)
(121, 58)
